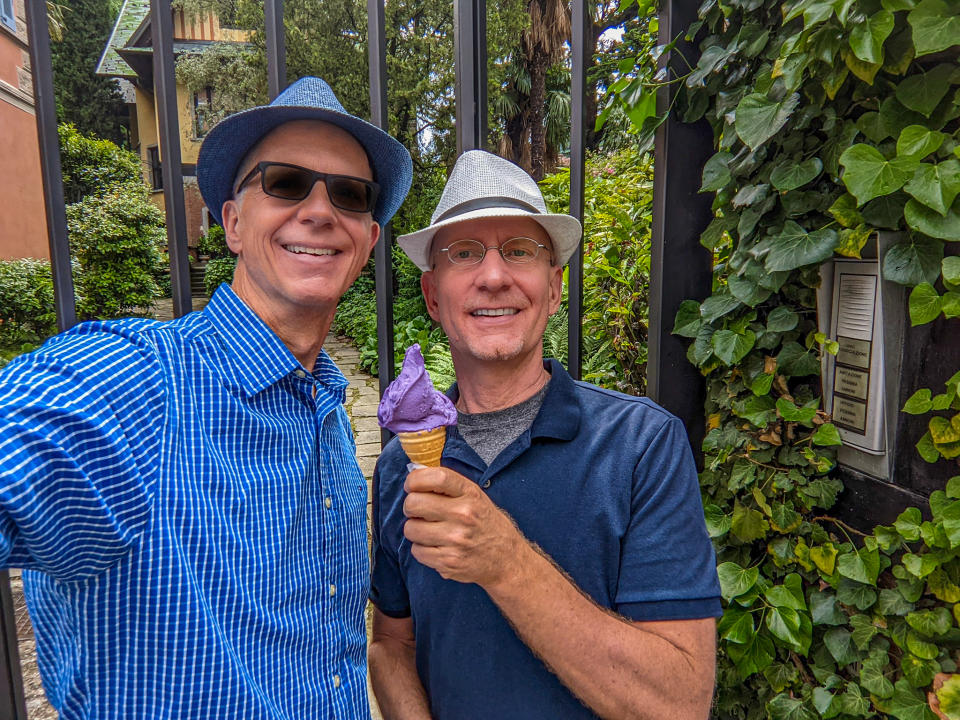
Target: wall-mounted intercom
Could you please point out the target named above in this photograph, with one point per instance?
(865, 315)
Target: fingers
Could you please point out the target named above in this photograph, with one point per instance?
(440, 480)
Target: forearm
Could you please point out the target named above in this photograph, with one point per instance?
(618, 668)
(393, 674)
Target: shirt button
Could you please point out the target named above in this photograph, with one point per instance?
(336, 681)
(486, 483)
(333, 589)
(301, 374)
(328, 502)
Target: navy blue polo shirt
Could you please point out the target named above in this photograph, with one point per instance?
(605, 484)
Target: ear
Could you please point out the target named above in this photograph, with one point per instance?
(555, 289)
(374, 236)
(428, 285)
(231, 219)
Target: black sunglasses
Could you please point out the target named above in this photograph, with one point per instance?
(292, 182)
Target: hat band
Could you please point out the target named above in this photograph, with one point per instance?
(484, 204)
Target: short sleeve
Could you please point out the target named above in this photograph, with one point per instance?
(667, 562)
(80, 420)
(388, 591)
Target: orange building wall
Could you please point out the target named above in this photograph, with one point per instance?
(23, 223)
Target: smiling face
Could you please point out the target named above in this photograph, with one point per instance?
(494, 311)
(296, 258)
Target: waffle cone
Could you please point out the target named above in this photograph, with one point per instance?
(424, 447)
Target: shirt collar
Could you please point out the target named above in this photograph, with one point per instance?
(259, 355)
(559, 415)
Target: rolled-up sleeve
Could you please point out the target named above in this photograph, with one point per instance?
(80, 421)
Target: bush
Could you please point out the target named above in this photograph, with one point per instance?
(27, 312)
(214, 244)
(92, 166)
(219, 270)
(116, 239)
(616, 267)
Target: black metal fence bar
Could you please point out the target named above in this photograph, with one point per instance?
(383, 264)
(12, 701)
(582, 54)
(46, 113)
(168, 126)
(470, 66)
(276, 47)
(680, 268)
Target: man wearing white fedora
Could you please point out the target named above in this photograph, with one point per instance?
(557, 565)
(185, 496)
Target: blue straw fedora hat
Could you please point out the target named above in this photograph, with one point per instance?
(309, 98)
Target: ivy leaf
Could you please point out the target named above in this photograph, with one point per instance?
(823, 491)
(780, 676)
(950, 304)
(720, 304)
(921, 647)
(868, 174)
(757, 410)
(924, 304)
(784, 624)
(792, 413)
(936, 186)
(919, 672)
(753, 656)
(908, 524)
(824, 557)
(716, 173)
(933, 623)
(935, 26)
(735, 580)
(866, 39)
(840, 644)
(824, 609)
(688, 321)
(917, 141)
(924, 91)
(717, 521)
(920, 565)
(730, 346)
(784, 519)
(892, 602)
(844, 211)
(943, 431)
(856, 594)
(759, 118)
(919, 403)
(932, 223)
(863, 631)
(736, 626)
(789, 594)
(791, 175)
(784, 707)
(782, 319)
(886, 211)
(866, 71)
(794, 247)
(853, 702)
(748, 524)
(951, 270)
(852, 240)
(909, 704)
(913, 261)
(827, 435)
(862, 565)
(875, 681)
(928, 451)
(949, 696)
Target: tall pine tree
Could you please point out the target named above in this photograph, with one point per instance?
(89, 101)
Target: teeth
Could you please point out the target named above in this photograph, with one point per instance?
(495, 313)
(309, 251)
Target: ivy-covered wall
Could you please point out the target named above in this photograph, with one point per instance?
(832, 119)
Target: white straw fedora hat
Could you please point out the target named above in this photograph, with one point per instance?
(484, 185)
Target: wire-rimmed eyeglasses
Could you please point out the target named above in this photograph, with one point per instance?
(517, 251)
(292, 182)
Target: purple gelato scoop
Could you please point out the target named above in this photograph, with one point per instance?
(410, 403)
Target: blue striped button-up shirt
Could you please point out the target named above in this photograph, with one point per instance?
(186, 499)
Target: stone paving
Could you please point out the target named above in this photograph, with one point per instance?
(361, 403)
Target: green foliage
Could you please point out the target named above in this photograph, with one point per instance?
(616, 265)
(116, 239)
(90, 102)
(235, 73)
(92, 166)
(213, 244)
(218, 271)
(831, 120)
(27, 313)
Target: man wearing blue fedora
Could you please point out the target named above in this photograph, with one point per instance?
(184, 497)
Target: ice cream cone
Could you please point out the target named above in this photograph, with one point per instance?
(424, 447)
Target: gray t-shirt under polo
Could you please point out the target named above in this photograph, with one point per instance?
(489, 433)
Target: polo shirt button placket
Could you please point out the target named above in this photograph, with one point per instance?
(485, 483)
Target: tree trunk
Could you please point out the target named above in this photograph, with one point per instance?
(538, 99)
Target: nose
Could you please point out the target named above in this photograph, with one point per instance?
(316, 207)
(493, 272)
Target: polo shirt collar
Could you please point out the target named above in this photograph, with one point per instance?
(559, 415)
(258, 354)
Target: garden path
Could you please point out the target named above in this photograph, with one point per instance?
(362, 399)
